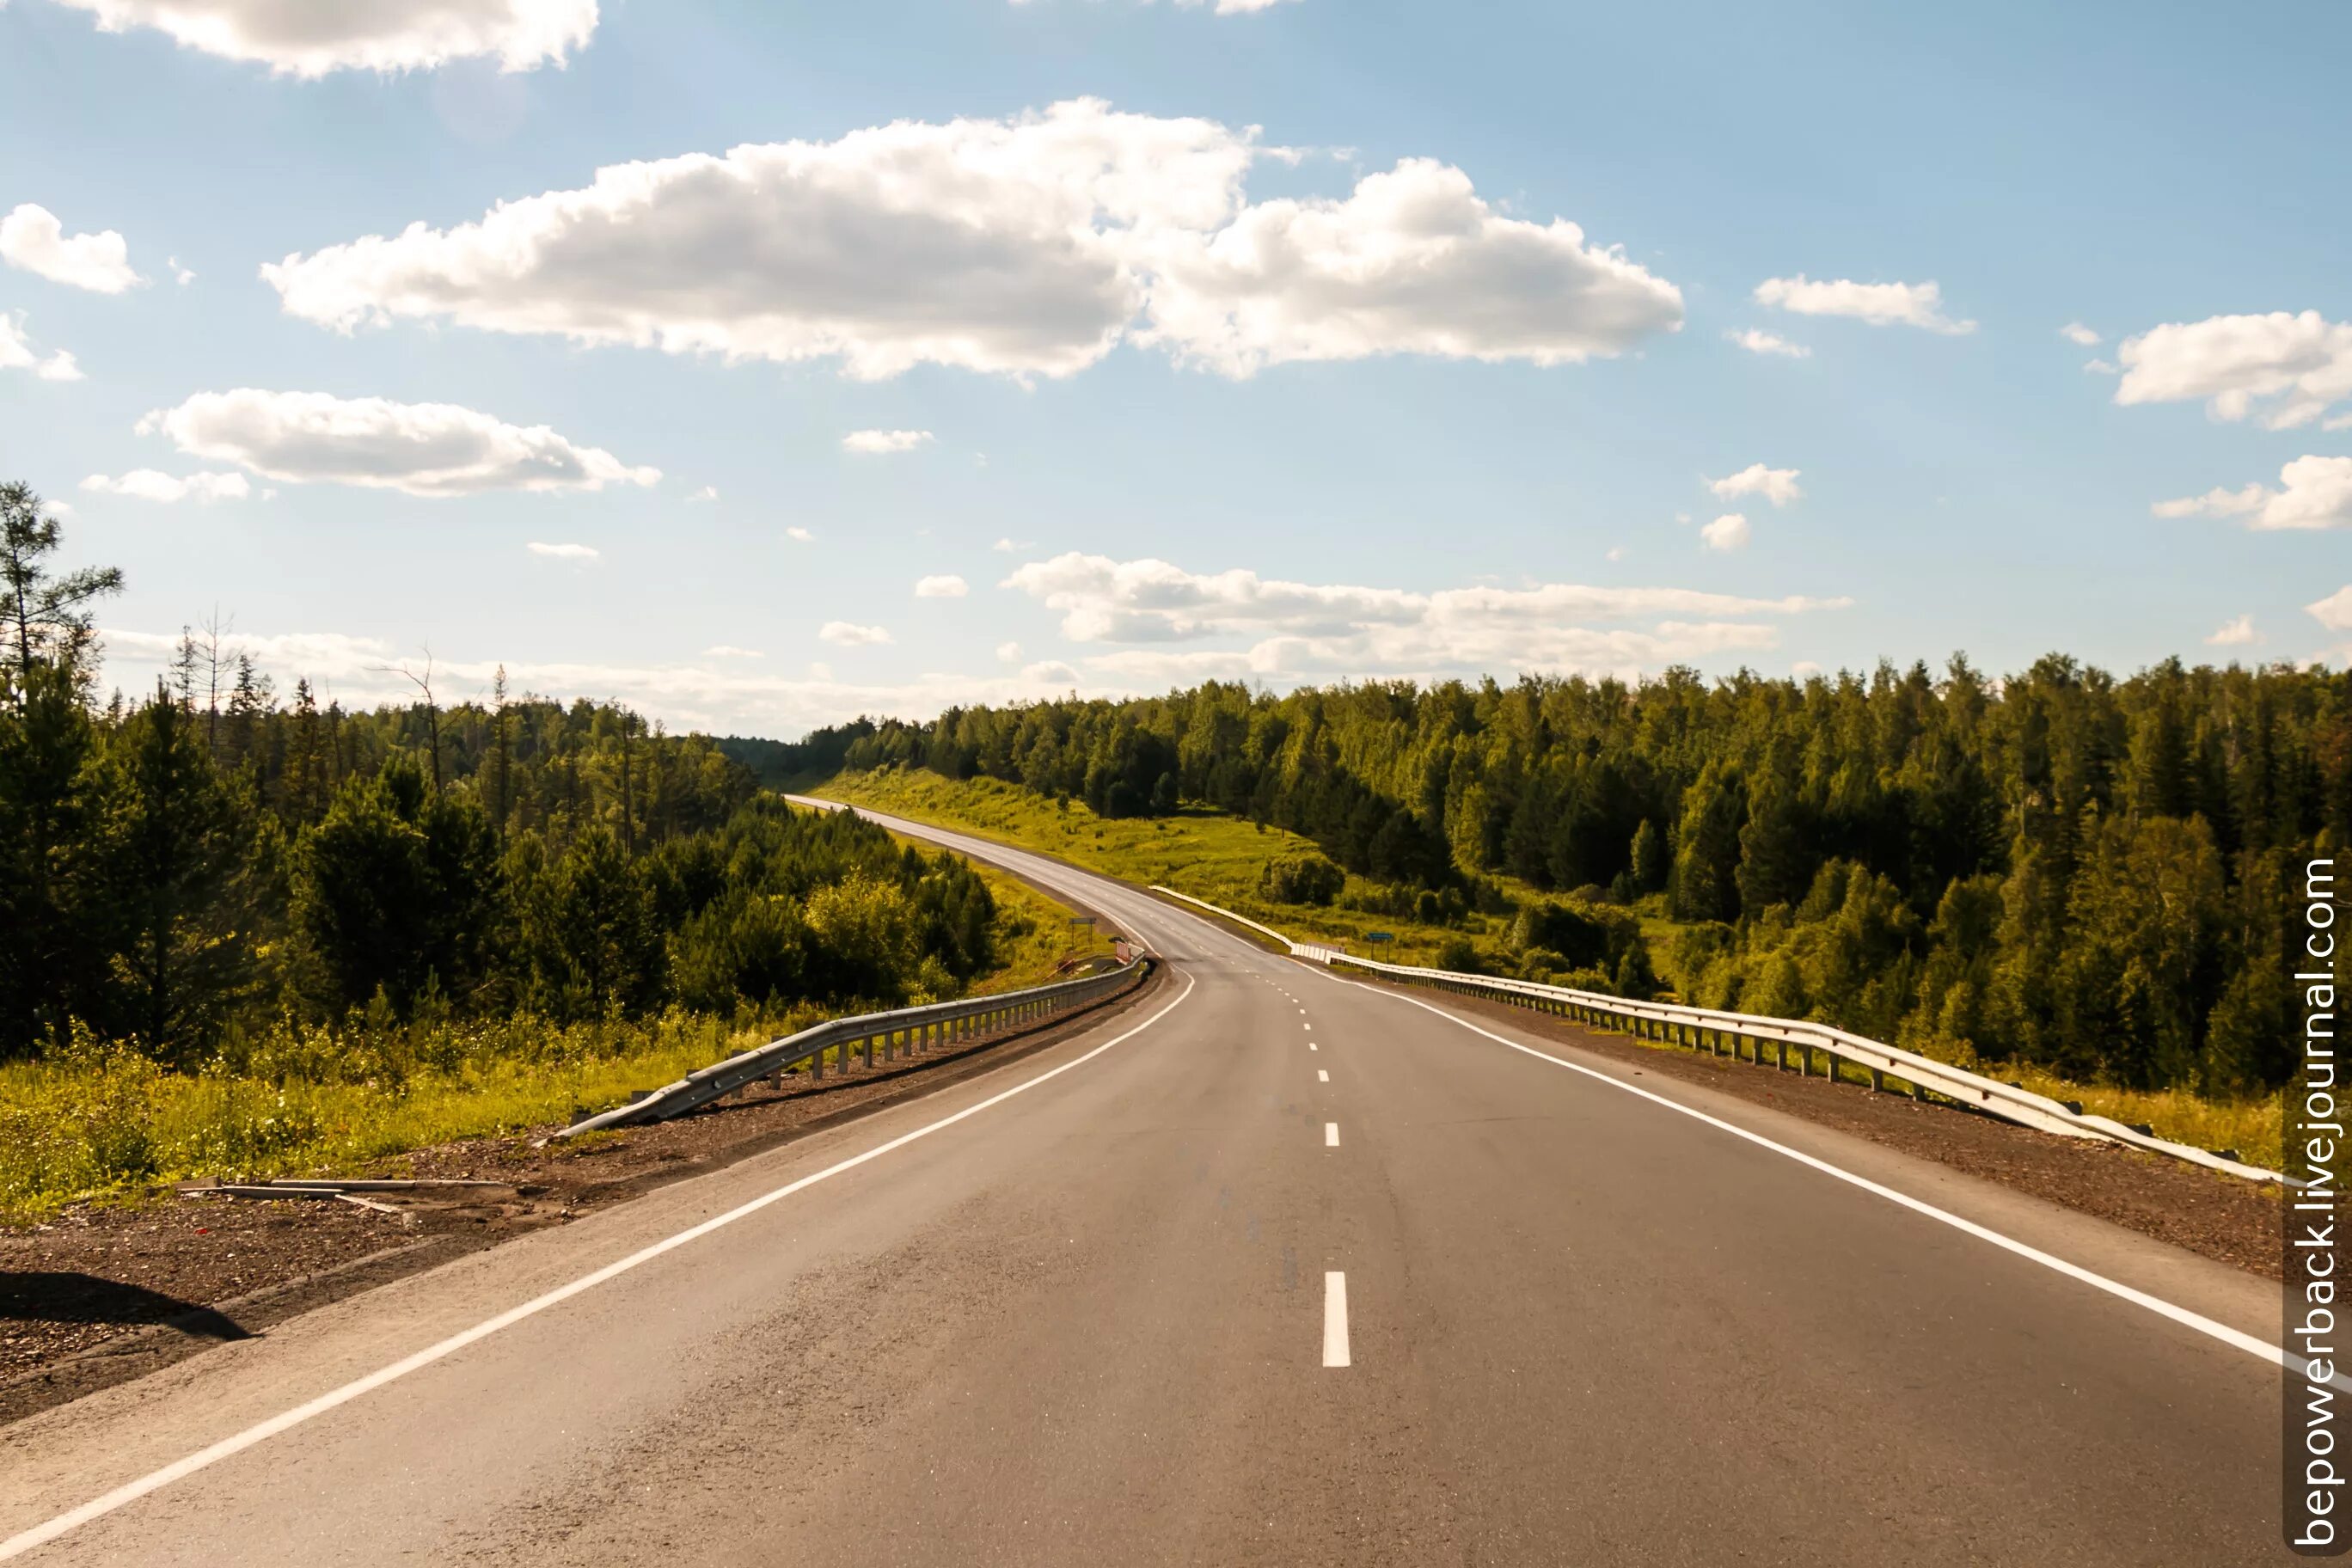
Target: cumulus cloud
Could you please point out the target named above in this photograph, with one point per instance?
(1778, 486)
(1756, 341)
(942, 585)
(1881, 304)
(708, 492)
(1413, 261)
(180, 274)
(312, 40)
(849, 634)
(1301, 629)
(147, 484)
(879, 443)
(2239, 633)
(16, 352)
(1729, 531)
(2080, 336)
(713, 691)
(2297, 365)
(1026, 246)
(1008, 653)
(418, 449)
(2333, 612)
(2313, 492)
(1008, 544)
(567, 551)
(33, 240)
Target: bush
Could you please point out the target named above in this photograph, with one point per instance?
(1301, 879)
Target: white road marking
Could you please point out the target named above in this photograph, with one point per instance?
(1310, 1045)
(132, 1491)
(1322, 1076)
(1335, 1319)
(1330, 1135)
(2202, 1324)
(1308, 1026)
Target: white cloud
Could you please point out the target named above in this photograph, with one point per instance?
(849, 634)
(147, 484)
(1880, 304)
(180, 275)
(876, 443)
(312, 37)
(2303, 361)
(2239, 633)
(1008, 545)
(2333, 612)
(1729, 531)
(1805, 669)
(32, 239)
(567, 551)
(1025, 246)
(1412, 261)
(2095, 367)
(16, 352)
(715, 693)
(1008, 653)
(418, 449)
(724, 651)
(799, 535)
(2314, 492)
(2079, 335)
(708, 492)
(1756, 341)
(1301, 630)
(942, 585)
(1778, 486)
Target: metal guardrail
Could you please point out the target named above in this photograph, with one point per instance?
(905, 1031)
(1707, 1029)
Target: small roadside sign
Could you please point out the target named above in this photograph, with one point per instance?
(1380, 936)
(1082, 920)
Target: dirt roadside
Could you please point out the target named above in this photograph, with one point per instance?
(2226, 1219)
(107, 1292)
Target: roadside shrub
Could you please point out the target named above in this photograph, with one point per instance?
(1301, 879)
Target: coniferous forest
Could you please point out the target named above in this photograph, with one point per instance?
(189, 866)
(2060, 867)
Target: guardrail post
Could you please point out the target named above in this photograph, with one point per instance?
(1781, 1063)
(1877, 1081)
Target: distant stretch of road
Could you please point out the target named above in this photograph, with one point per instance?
(1270, 1268)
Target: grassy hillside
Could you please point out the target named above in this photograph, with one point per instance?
(1198, 850)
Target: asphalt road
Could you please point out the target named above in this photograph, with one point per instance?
(1270, 1268)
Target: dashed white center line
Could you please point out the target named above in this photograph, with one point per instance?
(1330, 1135)
(1335, 1319)
(1311, 1046)
(1322, 1076)
(1307, 1025)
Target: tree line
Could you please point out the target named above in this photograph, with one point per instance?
(2059, 867)
(208, 859)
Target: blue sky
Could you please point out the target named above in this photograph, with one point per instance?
(1182, 398)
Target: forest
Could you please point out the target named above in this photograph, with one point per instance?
(2059, 868)
(190, 870)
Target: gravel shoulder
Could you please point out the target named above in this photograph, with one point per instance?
(107, 1292)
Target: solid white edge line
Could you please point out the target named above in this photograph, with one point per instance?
(1330, 1135)
(131, 1491)
(1335, 1319)
(2236, 1338)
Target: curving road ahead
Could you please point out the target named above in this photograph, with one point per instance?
(1269, 1269)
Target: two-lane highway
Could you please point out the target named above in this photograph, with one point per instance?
(1270, 1268)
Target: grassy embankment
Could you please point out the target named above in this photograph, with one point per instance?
(306, 1102)
(1217, 858)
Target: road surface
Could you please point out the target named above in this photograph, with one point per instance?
(1272, 1267)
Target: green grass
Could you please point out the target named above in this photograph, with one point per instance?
(96, 1124)
(1199, 851)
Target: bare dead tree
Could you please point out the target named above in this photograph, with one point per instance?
(424, 684)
